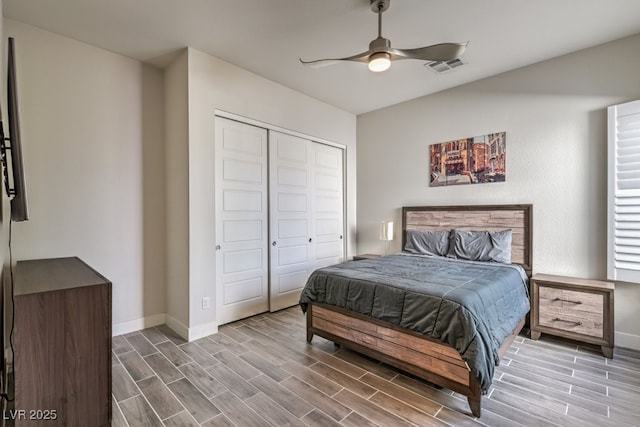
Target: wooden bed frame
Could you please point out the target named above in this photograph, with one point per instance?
(414, 353)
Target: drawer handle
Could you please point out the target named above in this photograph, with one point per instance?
(557, 319)
(567, 300)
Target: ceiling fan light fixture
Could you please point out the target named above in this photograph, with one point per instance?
(380, 61)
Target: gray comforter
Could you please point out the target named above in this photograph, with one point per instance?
(471, 306)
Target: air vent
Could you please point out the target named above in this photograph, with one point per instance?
(443, 66)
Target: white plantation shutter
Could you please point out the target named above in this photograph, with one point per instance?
(623, 236)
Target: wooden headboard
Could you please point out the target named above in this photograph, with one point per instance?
(496, 217)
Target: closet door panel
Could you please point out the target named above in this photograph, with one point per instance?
(329, 205)
(291, 217)
(241, 203)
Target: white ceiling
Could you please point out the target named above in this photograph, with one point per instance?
(268, 36)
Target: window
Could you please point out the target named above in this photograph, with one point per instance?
(623, 231)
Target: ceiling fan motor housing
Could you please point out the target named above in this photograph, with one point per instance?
(380, 44)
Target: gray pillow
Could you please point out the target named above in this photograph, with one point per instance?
(427, 242)
(481, 245)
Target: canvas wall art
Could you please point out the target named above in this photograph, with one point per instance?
(475, 160)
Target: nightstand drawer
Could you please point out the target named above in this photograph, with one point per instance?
(578, 325)
(568, 301)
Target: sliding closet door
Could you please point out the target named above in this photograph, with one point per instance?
(241, 200)
(291, 222)
(329, 205)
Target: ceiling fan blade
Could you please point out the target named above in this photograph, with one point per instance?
(436, 52)
(360, 57)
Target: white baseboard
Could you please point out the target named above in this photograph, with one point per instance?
(138, 324)
(191, 334)
(202, 331)
(627, 340)
(177, 327)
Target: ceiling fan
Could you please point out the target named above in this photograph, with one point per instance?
(380, 53)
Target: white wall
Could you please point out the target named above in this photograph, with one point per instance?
(218, 85)
(93, 141)
(177, 196)
(554, 114)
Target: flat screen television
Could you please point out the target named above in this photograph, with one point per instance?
(12, 153)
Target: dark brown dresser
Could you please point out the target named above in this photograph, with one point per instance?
(62, 338)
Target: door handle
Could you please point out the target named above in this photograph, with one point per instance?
(218, 247)
(309, 239)
(273, 243)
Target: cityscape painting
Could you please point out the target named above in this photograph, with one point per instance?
(474, 160)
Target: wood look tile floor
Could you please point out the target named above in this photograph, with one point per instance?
(261, 372)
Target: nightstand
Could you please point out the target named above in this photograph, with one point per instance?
(569, 307)
(365, 256)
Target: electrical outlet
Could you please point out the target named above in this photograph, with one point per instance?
(205, 303)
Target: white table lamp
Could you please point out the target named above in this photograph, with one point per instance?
(386, 234)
